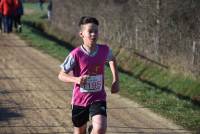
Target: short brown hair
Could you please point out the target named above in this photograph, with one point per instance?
(88, 19)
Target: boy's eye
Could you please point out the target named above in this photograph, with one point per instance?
(93, 31)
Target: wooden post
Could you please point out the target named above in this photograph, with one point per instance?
(136, 37)
(157, 33)
(193, 52)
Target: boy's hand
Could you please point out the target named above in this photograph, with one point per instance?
(82, 79)
(115, 87)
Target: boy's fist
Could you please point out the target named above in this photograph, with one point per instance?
(115, 87)
(82, 79)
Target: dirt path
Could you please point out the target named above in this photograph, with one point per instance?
(34, 101)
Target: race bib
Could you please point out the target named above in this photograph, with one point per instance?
(93, 84)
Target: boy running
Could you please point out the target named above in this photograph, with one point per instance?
(87, 62)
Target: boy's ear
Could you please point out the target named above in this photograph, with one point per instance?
(81, 34)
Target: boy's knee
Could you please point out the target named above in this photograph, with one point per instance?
(81, 130)
(99, 130)
(99, 123)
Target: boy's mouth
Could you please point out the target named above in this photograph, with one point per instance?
(93, 39)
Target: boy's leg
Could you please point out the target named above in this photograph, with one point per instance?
(99, 124)
(80, 117)
(99, 117)
(80, 130)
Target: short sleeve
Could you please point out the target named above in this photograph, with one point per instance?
(68, 64)
(110, 55)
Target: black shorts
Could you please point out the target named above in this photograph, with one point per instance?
(80, 115)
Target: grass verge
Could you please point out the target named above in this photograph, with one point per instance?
(172, 95)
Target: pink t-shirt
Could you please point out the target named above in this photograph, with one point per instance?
(93, 66)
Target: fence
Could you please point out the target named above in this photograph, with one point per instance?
(166, 32)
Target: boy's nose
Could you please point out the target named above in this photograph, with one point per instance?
(93, 34)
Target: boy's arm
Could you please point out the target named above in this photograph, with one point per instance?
(67, 77)
(115, 82)
(67, 67)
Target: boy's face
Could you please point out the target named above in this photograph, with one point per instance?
(89, 34)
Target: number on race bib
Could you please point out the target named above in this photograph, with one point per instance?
(93, 84)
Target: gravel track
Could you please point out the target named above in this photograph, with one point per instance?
(34, 101)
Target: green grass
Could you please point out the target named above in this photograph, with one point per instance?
(38, 40)
(171, 95)
(166, 103)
